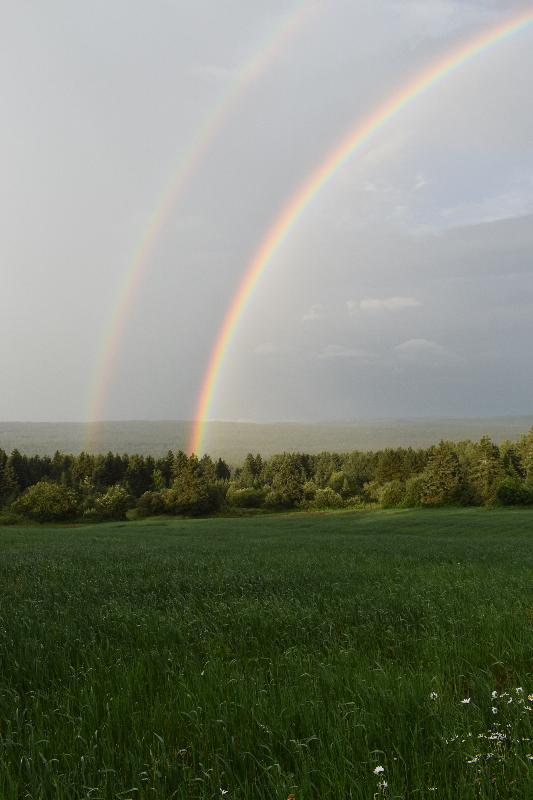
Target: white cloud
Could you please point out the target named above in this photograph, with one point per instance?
(382, 304)
(216, 73)
(424, 352)
(420, 182)
(515, 201)
(313, 313)
(340, 351)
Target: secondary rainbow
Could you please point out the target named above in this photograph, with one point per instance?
(307, 191)
(213, 123)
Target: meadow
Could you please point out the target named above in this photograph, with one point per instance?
(336, 655)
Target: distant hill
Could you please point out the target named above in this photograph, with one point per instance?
(233, 440)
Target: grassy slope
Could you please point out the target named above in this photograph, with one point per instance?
(267, 656)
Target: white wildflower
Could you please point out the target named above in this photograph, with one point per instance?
(433, 696)
(494, 695)
(529, 757)
(494, 710)
(379, 770)
(530, 697)
(473, 760)
(466, 701)
(519, 690)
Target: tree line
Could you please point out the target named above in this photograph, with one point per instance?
(106, 487)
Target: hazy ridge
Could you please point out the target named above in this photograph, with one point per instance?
(233, 440)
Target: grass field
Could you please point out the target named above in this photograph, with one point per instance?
(268, 657)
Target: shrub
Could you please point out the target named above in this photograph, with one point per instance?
(337, 482)
(327, 498)
(47, 502)
(9, 518)
(309, 490)
(392, 494)
(513, 492)
(244, 498)
(113, 504)
(371, 491)
(414, 491)
(191, 494)
(151, 504)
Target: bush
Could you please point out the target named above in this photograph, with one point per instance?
(9, 518)
(244, 498)
(191, 494)
(327, 498)
(309, 491)
(513, 492)
(391, 494)
(113, 504)
(151, 504)
(371, 491)
(47, 502)
(414, 491)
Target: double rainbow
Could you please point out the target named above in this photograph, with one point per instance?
(294, 209)
(212, 125)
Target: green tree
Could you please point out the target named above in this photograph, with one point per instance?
(392, 494)
(286, 490)
(222, 471)
(327, 498)
(486, 470)
(9, 487)
(113, 504)
(442, 477)
(47, 502)
(513, 492)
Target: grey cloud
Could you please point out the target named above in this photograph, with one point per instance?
(383, 304)
(313, 313)
(340, 351)
(424, 352)
(107, 103)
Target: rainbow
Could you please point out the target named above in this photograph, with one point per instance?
(296, 206)
(212, 125)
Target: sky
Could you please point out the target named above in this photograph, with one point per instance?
(405, 289)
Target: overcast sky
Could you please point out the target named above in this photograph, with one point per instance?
(405, 289)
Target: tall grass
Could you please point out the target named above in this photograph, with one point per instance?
(268, 657)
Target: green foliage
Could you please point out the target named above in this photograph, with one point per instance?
(151, 504)
(9, 487)
(513, 492)
(244, 498)
(287, 484)
(327, 498)
(442, 477)
(463, 473)
(414, 491)
(113, 504)
(371, 492)
(47, 502)
(392, 494)
(190, 494)
(222, 471)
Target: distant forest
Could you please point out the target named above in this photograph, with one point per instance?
(91, 487)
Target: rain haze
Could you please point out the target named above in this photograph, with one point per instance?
(404, 289)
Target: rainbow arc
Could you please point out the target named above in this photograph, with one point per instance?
(298, 203)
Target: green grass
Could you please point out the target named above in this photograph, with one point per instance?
(268, 656)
